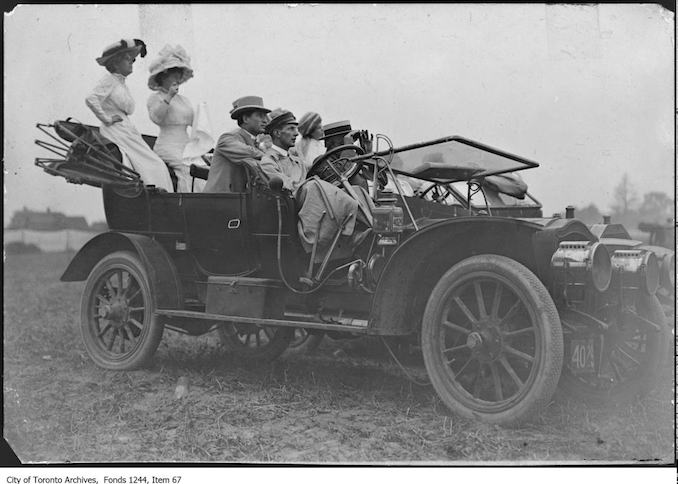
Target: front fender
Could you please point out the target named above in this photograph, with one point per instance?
(162, 273)
(415, 267)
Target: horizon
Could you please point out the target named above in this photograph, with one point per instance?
(603, 210)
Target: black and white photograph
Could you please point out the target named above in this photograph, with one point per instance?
(340, 234)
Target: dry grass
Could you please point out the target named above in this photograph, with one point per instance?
(357, 407)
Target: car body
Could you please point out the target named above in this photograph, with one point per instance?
(504, 303)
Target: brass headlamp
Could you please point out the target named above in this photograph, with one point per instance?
(668, 271)
(635, 269)
(582, 263)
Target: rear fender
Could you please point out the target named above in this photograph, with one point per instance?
(160, 268)
(416, 266)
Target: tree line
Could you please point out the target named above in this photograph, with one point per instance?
(630, 209)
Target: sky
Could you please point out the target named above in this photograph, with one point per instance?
(585, 90)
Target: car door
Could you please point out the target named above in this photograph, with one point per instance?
(217, 232)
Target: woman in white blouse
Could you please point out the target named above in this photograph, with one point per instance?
(172, 112)
(112, 102)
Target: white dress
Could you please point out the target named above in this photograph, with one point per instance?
(111, 96)
(174, 119)
(309, 149)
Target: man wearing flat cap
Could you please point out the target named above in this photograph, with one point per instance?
(282, 159)
(238, 147)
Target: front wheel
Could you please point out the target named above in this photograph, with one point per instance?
(118, 325)
(492, 341)
(622, 362)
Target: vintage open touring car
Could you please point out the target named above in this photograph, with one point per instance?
(504, 303)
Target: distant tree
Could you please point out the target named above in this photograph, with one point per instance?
(624, 203)
(589, 214)
(656, 207)
(625, 197)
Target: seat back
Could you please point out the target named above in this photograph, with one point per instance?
(237, 177)
(197, 171)
(226, 176)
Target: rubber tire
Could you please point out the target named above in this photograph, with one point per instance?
(548, 372)
(572, 387)
(308, 346)
(151, 333)
(279, 343)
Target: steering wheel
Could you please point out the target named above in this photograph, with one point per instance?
(322, 165)
(436, 193)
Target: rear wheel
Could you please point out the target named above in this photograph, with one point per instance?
(255, 342)
(492, 341)
(626, 359)
(118, 325)
(304, 342)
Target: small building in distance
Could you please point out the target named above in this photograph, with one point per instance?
(31, 220)
(99, 227)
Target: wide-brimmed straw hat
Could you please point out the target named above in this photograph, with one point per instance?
(133, 46)
(170, 57)
(279, 118)
(248, 103)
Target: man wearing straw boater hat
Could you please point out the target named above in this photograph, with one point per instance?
(334, 134)
(340, 133)
(238, 147)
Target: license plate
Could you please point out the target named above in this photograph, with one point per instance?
(582, 356)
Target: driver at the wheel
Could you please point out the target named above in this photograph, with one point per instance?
(324, 210)
(282, 159)
(340, 133)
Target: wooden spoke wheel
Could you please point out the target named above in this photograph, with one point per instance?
(304, 342)
(620, 363)
(255, 342)
(118, 325)
(492, 341)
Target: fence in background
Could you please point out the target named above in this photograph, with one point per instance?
(50, 241)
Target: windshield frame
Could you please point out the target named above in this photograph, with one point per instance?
(458, 195)
(526, 163)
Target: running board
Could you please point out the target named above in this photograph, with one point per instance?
(309, 324)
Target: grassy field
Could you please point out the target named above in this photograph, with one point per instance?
(347, 403)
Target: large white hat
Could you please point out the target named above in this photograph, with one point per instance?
(169, 57)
